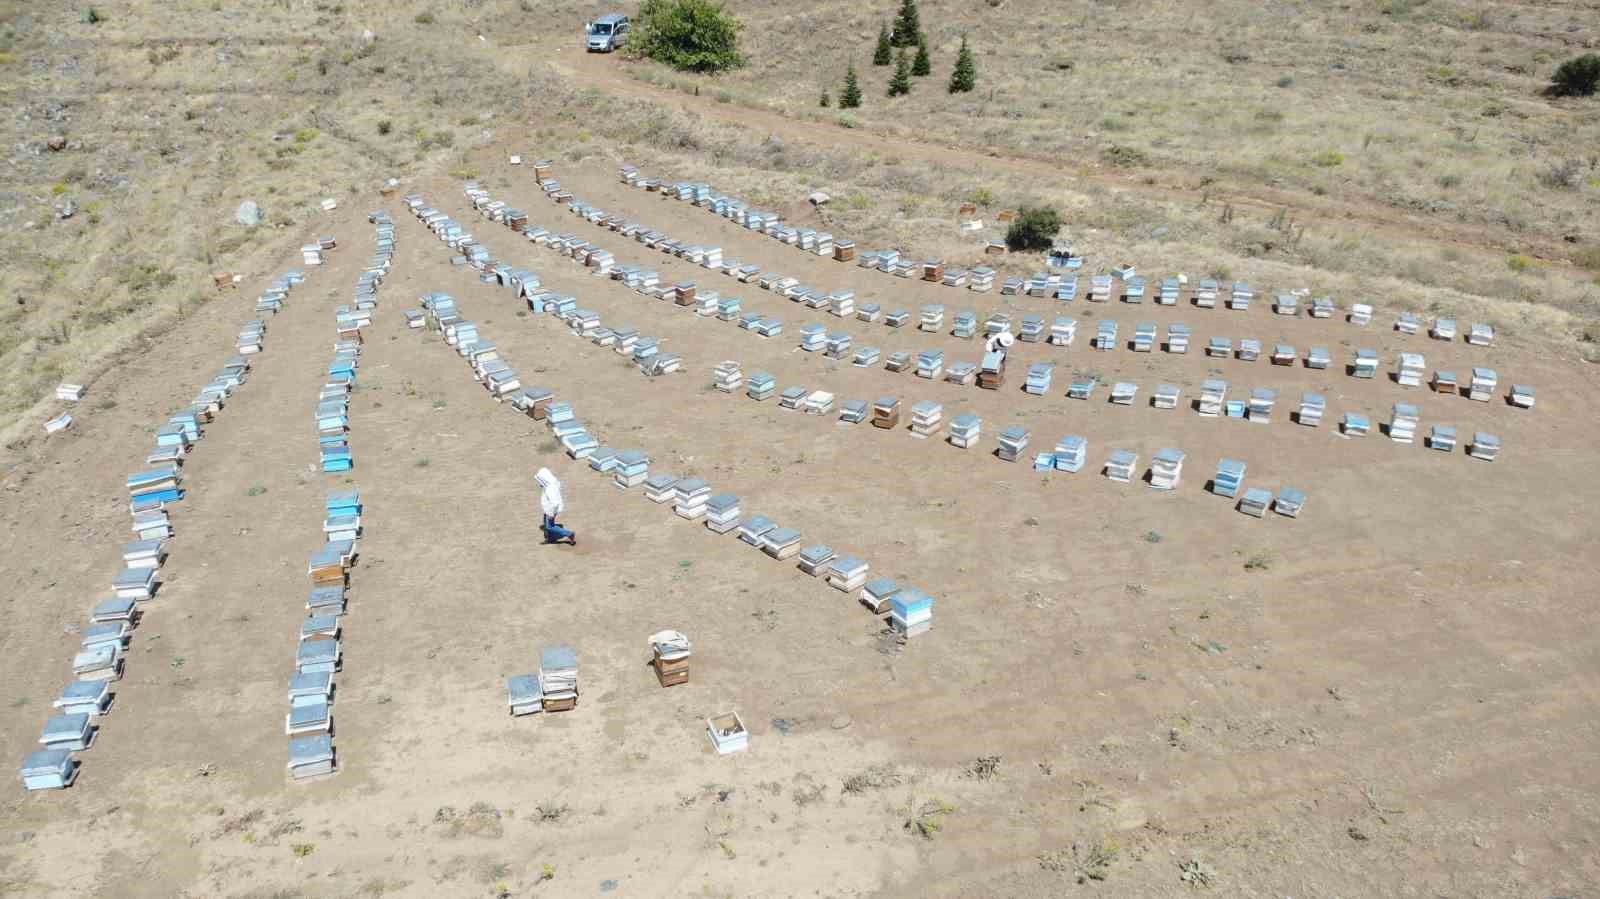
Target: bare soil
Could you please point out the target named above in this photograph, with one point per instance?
(1395, 698)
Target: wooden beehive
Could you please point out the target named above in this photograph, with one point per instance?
(671, 673)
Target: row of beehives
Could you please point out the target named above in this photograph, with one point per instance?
(931, 364)
(152, 491)
(691, 496)
(841, 303)
(1123, 282)
(319, 652)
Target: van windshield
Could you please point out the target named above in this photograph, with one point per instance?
(600, 28)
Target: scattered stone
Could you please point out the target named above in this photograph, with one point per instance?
(248, 214)
(57, 143)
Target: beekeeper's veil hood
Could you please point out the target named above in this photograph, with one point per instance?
(550, 497)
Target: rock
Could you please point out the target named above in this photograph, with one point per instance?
(840, 721)
(818, 198)
(56, 143)
(67, 209)
(368, 36)
(248, 214)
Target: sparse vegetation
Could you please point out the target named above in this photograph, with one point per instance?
(423, 18)
(688, 35)
(1260, 561)
(876, 777)
(1327, 159)
(927, 820)
(301, 850)
(1124, 157)
(1034, 228)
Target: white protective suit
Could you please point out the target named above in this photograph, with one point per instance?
(550, 497)
(999, 343)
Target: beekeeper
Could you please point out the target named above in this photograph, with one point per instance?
(999, 343)
(551, 504)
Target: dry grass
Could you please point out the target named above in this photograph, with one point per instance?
(1400, 112)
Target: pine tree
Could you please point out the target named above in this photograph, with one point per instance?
(884, 54)
(965, 76)
(825, 101)
(900, 84)
(907, 25)
(921, 65)
(850, 97)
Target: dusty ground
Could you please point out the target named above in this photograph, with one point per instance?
(1395, 698)
(1384, 708)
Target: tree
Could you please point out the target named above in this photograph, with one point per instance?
(884, 54)
(825, 101)
(900, 84)
(689, 35)
(907, 25)
(965, 76)
(1577, 77)
(921, 65)
(1034, 228)
(850, 97)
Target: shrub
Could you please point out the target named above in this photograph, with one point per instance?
(1327, 159)
(884, 53)
(1560, 174)
(688, 35)
(965, 75)
(825, 101)
(423, 18)
(385, 126)
(921, 65)
(1577, 77)
(1126, 157)
(1034, 228)
(92, 16)
(1518, 263)
(907, 25)
(900, 84)
(1588, 259)
(850, 96)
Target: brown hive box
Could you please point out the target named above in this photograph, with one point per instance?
(672, 673)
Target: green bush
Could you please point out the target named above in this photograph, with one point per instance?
(423, 18)
(850, 96)
(884, 53)
(688, 35)
(921, 65)
(1577, 77)
(1327, 159)
(1034, 228)
(900, 84)
(907, 25)
(965, 76)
